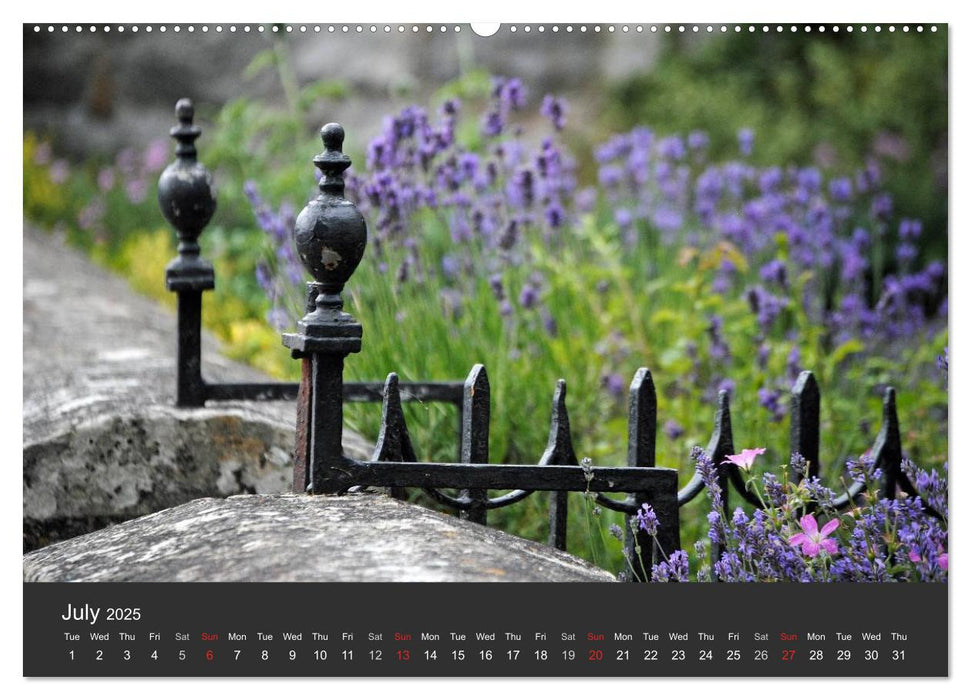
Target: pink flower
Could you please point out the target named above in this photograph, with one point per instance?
(746, 459)
(915, 557)
(812, 538)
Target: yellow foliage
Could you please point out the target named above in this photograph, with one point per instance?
(138, 259)
(713, 259)
(260, 346)
(40, 193)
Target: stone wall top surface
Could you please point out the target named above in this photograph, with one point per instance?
(357, 537)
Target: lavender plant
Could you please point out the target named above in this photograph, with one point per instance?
(878, 540)
(808, 269)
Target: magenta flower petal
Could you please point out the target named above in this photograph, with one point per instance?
(798, 538)
(829, 546)
(810, 548)
(942, 561)
(808, 525)
(745, 459)
(829, 527)
(914, 556)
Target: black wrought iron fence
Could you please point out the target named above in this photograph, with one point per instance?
(330, 236)
(187, 198)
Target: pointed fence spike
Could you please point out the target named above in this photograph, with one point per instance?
(719, 447)
(475, 436)
(641, 440)
(721, 444)
(559, 447)
(642, 420)
(804, 425)
(887, 450)
(394, 441)
(559, 451)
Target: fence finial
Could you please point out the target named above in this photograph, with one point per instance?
(804, 425)
(887, 450)
(475, 437)
(330, 233)
(642, 420)
(330, 236)
(187, 198)
(394, 441)
(559, 450)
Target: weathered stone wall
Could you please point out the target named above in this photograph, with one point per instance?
(357, 537)
(98, 92)
(102, 440)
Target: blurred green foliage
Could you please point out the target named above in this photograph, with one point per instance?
(833, 99)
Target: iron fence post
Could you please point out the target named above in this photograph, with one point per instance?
(330, 236)
(187, 199)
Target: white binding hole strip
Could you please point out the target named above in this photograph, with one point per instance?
(486, 29)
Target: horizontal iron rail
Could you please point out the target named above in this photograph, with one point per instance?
(529, 477)
(444, 392)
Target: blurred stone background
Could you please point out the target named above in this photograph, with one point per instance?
(97, 92)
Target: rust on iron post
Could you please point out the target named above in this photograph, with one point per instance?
(330, 236)
(187, 199)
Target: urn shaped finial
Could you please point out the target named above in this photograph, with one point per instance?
(330, 236)
(187, 198)
(330, 233)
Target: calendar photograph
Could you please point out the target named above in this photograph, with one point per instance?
(332, 312)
